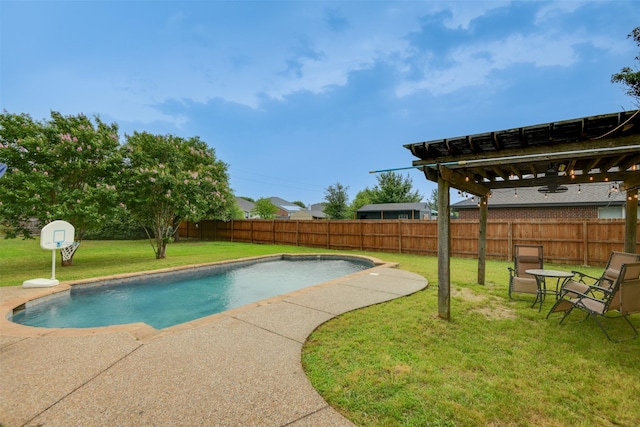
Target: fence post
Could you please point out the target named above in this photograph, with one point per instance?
(510, 240)
(585, 243)
(328, 234)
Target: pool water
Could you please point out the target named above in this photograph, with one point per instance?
(173, 299)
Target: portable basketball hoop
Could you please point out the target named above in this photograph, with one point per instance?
(55, 235)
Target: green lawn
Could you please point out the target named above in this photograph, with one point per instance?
(496, 362)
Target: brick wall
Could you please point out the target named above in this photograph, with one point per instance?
(578, 212)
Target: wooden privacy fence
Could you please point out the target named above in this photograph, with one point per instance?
(586, 242)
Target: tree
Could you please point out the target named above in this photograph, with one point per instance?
(299, 203)
(336, 198)
(432, 201)
(238, 213)
(167, 179)
(363, 197)
(393, 188)
(63, 168)
(265, 209)
(628, 76)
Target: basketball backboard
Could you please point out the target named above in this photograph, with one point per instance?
(57, 235)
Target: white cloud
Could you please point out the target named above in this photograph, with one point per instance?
(557, 9)
(472, 64)
(463, 12)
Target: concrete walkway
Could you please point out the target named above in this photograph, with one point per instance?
(237, 368)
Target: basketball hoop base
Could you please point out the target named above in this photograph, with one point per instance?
(40, 283)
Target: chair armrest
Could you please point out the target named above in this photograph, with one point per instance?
(581, 297)
(576, 295)
(583, 275)
(600, 288)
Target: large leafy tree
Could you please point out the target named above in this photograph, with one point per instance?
(362, 198)
(628, 76)
(336, 199)
(61, 168)
(167, 179)
(264, 208)
(392, 187)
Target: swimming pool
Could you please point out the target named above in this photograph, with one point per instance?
(167, 299)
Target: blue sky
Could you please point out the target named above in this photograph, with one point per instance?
(297, 96)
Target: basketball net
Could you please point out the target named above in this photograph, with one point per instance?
(67, 252)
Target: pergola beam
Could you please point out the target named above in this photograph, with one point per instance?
(459, 181)
(537, 154)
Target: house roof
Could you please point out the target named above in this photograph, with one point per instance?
(245, 204)
(318, 214)
(578, 151)
(285, 205)
(394, 207)
(598, 194)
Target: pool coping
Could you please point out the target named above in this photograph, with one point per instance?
(141, 330)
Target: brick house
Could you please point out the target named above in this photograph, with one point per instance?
(586, 201)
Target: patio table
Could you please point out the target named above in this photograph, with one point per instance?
(541, 276)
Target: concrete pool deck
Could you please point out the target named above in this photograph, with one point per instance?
(237, 368)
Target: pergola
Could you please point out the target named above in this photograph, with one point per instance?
(602, 148)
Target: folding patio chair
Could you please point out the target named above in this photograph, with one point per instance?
(622, 296)
(584, 283)
(525, 257)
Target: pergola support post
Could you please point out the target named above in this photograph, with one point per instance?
(631, 220)
(444, 239)
(482, 239)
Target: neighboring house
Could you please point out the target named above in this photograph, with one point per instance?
(317, 211)
(598, 200)
(395, 211)
(247, 207)
(285, 208)
(288, 210)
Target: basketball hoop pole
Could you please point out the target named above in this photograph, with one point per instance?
(53, 264)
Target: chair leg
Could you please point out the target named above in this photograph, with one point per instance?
(556, 304)
(635, 331)
(566, 313)
(602, 327)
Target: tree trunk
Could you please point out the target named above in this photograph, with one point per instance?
(161, 252)
(176, 225)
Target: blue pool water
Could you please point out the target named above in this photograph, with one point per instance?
(166, 300)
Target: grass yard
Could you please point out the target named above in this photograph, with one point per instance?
(497, 362)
